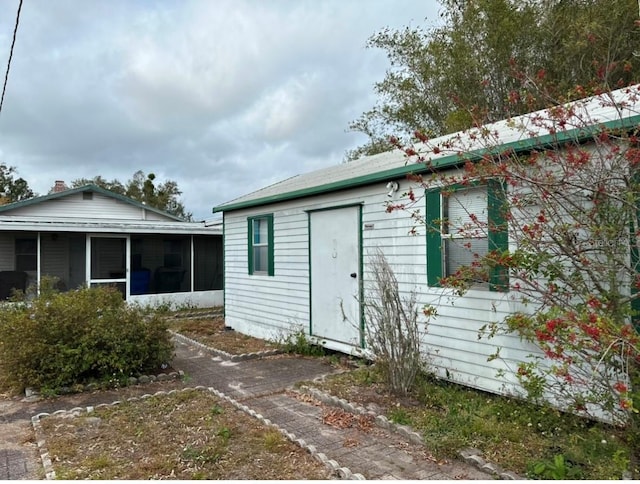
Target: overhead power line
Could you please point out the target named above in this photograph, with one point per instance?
(13, 43)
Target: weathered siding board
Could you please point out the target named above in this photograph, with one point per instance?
(476, 376)
(282, 289)
(272, 304)
(99, 207)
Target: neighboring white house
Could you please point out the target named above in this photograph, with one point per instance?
(89, 235)
(297, 254)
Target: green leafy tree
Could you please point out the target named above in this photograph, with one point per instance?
(112, 185)
(12, 189)
(163, 196)
(471, 60)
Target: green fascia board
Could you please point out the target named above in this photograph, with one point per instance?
(529, 144)
(85, 188)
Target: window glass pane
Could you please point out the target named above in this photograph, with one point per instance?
(26, 246)
(57, 259)
(261, 259)
(160, 264)
(107, 258)
(461, 205)
(260, 231)
(26, 263)
(207, 253)
(463, 252)
(26, 254)
(173, 275)
(120, 286)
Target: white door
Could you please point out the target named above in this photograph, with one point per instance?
(335, 275)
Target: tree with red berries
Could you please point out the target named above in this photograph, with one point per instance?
(561, 239)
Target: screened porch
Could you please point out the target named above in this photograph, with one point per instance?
(137, 264)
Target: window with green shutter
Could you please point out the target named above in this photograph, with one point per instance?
(260, 245)
(464, 224)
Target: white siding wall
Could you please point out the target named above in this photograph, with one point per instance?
(99, 207)
(268, 306)
(263, 305)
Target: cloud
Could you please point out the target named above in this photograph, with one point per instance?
(223, 97)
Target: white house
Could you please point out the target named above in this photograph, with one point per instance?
(298, 253)
(89, 235)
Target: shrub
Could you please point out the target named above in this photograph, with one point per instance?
(394, 336)
(90, 334)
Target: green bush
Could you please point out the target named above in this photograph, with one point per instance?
(90, 334)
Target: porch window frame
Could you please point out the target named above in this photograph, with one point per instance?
(91, 280)
(268, 218)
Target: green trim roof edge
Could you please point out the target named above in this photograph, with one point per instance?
(529, 144)
(86, 188)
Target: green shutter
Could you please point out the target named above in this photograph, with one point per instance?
(250, 244)
(271, 265)
(498, 232)
(433, 237)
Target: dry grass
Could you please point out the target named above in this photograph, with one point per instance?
(185, 435)
(514, 434)
(212, 332)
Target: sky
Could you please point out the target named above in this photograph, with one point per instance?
(222, 97)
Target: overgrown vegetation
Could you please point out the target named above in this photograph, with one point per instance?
(187, 435)
(393, 332)
(537, 442)
(298, 343)
(87, 335)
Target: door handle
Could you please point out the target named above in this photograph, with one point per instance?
(354, 275)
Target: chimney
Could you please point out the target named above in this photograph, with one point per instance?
(59, 187)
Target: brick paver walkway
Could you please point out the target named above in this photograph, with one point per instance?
(261, 384)
(261, 387)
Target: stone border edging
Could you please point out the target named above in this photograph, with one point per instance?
(224, 354)
(469, 455)
(50, 474)
(132, 380)
(196, 315)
